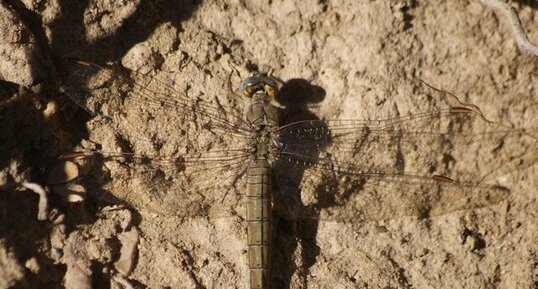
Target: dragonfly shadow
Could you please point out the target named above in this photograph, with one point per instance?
(296, 95)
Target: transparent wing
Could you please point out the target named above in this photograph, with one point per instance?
(456, 125)
(341, 193)
(207, 184)
(117, 95)
(355, 170)
(157, 149)
(444, 136)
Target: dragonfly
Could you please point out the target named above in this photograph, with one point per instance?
(338, 170)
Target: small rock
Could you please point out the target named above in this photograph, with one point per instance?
(62, 173)
(79, 273)
(74, 193)
(474, 242)
(129, 249)
(50, 110)
(21, 57)
(10, 269)
(32, 265)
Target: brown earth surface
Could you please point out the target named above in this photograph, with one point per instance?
(338, 59)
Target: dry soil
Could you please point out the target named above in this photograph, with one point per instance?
(340, 59)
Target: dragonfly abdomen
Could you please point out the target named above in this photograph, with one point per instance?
(258, 217)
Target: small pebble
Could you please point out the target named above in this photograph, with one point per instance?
(50, 110)
(32, 265)
(128, 252)
(74, 193)
(62, 173)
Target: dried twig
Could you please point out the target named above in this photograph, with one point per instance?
(42, 204)
(510, 13)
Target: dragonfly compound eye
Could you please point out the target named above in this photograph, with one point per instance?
(270, 90)
(249, 91)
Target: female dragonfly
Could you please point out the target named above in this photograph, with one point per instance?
(356, 170)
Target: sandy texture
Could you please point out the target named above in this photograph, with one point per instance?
(339, 59)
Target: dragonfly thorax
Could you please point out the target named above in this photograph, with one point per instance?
(262, 117)
(263, 146)
(260, 113)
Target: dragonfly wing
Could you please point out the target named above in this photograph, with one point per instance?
(379, 169)
(121, 96)
(456, 125)
(129, 110)
(184, 186)
(342, 193)
(437, 142)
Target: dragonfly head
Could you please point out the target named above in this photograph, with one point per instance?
(259, 87)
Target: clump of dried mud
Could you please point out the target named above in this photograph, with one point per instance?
(360, 59)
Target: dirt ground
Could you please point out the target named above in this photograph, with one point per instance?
(339, 59)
